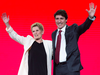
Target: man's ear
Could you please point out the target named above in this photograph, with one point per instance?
(42, 32)
(66, 20)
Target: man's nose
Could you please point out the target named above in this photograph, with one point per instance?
(59, 20)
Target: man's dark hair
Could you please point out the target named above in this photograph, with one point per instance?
(62, 13)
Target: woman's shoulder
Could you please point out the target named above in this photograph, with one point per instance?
(29, 37)
(47, 41)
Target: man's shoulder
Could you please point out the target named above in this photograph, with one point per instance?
(73, 26)
(54, 31)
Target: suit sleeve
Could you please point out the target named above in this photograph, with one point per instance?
(83, 27)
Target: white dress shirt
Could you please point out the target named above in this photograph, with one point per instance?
(62, 54)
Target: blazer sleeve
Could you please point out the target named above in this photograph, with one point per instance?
(50, 47)
(15, 36)
(83, 27)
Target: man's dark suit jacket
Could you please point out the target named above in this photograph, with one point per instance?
(72, 34)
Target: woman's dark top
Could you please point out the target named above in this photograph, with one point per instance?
(37, 60)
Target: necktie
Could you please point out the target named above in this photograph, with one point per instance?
(58, 48)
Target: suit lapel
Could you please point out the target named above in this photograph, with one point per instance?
(29, 45)
(66, 32)
(46, 47)
(54, 38)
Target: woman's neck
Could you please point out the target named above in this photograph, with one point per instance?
(39, 40)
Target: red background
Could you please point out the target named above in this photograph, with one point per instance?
(23, 13)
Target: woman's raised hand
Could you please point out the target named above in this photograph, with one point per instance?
(5, 19)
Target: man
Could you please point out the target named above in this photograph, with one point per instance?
(66, 54)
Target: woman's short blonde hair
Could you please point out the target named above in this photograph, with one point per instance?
(38, 25)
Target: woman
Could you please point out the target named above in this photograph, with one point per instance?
(37, 55)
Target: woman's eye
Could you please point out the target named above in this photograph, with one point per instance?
(37, 30)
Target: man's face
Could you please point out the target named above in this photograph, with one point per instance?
(60, 21)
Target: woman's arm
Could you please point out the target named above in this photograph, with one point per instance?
(12, 33)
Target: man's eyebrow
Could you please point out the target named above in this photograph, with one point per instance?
(61, 18)
(56, 18)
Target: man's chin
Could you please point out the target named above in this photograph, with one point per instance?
(59, 27)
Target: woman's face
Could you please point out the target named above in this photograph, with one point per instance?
(37, 33)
